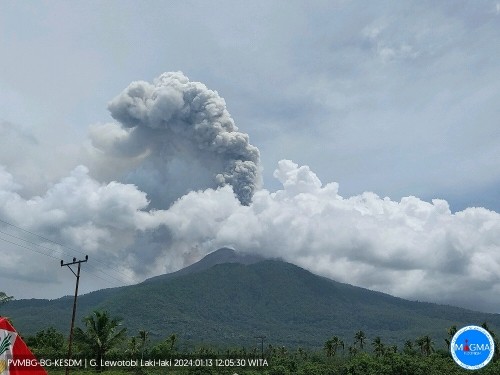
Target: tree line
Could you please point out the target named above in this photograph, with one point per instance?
(103, 337)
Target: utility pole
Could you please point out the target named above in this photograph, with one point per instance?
(77, 274)
(262, 338)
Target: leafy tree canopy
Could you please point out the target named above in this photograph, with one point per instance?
(102, 333)
(4, 298)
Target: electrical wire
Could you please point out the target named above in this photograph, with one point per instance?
(29, 248)
(53, 257)
(66, 248)
(62, 248)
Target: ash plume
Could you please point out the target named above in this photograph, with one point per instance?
(176, 119)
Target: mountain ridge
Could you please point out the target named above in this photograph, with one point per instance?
(219, 256)
(228, 303)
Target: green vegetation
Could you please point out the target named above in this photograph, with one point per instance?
(332, 345)
(359, 339)
(102, 334)
(228, 304)
(381, 359)
(312, 325)
(47, 343)
(4, 298)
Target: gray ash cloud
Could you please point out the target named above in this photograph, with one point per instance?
(176, 119)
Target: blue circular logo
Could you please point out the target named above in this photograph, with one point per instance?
(472, 347)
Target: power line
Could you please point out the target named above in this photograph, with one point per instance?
(102, 278)
(53, 257)
(29, 248)
(120, 282)
(42, 237)
(37, 235)
(52, 250)
(66, 248)
(22, 239)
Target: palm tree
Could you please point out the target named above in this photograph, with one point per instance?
(420, 344)
(352, 351)
(144, 339)
(408, 347)
(360, 338)
(451, 332)
(102, 334)
(173, 339)
(332, 345)
(378, 347)
(428, 345)
(328, 348)
(425, 344)
(133, 347)
(337, 343)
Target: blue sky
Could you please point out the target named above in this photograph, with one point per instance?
(390, 97)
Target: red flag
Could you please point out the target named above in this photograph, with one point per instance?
(15, 357)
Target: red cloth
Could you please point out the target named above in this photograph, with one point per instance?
(14, 353)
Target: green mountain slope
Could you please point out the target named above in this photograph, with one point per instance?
(230, 303)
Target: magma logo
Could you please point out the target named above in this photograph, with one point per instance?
(472, 347)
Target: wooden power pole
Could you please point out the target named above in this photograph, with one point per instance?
(77, 274)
